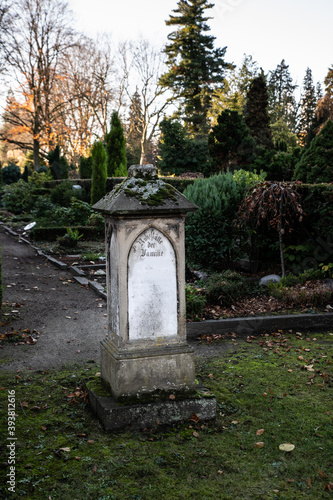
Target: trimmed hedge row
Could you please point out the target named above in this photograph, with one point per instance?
(111, 182)
(52, 233)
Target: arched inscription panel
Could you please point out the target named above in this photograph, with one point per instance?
(152, 287)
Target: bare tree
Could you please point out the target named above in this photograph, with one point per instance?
(142, 67)
(89, 89)
(39, 38)
(5, 24)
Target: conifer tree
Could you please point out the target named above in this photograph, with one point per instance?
(308, 106)
(230, 143)
(196, 68)
(116, 148)
(99, 172)
(316, 163)
(134, 132)
(282, 103)
(256, 113)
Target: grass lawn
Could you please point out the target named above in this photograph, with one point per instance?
(273, 390)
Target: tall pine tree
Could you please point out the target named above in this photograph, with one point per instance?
(196, 68)
(307, 107)
(116, 148)
(282, 103)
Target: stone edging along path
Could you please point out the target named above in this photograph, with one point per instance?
(241, 326)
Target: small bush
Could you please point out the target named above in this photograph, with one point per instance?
(18, 197)
(62, 194)
(96, 220)
(315, 296)
(43, 208)
(224, 288)
(11, 174)
(195, 303)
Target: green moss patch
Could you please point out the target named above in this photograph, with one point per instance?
(151, 192)
(273, 389)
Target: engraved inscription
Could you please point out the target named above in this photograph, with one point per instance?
(150, 244)
(152, 287)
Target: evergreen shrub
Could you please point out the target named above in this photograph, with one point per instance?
(11, 173)
(116, 148)
(62, 194)
(224, 288)
(85, 167)
(212, 239)
(316, 163)
(99, 172)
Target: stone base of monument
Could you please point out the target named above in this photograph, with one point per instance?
(138, 416)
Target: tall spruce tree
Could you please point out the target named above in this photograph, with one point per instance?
(196, 68)
(281, 98)
(116, 148)
(307, 106)
(256, 112)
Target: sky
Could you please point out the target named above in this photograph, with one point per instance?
(298, 31)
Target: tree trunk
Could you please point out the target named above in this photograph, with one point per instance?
(280, 239)
(36, 154)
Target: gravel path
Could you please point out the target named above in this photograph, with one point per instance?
(70, 319)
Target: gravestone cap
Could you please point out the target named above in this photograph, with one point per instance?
(143, 192)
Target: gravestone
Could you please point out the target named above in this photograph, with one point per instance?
(146, 352)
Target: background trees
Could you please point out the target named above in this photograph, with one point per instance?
(195, 67)
(282, 103)
(39, 38)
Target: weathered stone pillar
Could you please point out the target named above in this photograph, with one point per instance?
(146, 351)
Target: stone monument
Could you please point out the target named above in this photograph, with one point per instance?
(146, 352)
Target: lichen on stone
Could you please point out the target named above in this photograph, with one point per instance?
(152, 192)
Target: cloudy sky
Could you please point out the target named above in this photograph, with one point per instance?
(299, 31)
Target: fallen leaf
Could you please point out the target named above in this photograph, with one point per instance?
(309, 483)
(220, 472)
(260, 444)
(172, 397)
(287, 447)
(195, 434)
(194, 418)
(260, 432)
(66, 449)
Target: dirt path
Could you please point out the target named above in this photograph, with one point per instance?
(70, 318)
